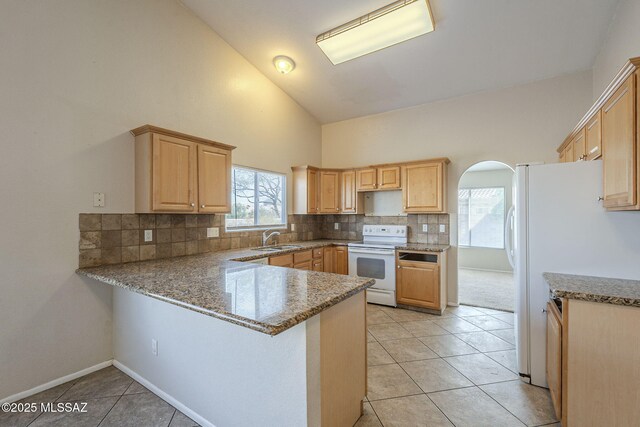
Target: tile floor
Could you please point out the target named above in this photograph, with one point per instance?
(458, 369)
(424, 370)
(113, 399)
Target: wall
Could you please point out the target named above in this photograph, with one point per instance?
(520, 124)
(487, 258)
(76, 77)
(620, 44)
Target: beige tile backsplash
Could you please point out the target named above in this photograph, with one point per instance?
(119, 238)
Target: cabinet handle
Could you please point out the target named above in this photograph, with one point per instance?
(337, 209)
(600, 198)
(202, 206)
(399, 267)
(544, 310)
(192, 204)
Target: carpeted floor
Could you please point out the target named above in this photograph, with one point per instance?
(488, 289)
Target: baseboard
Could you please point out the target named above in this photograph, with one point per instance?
(485, 269)
(163, 395)
(56, 382)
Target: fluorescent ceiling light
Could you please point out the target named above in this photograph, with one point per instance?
(392, 24)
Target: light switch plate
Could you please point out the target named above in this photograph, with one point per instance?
(154, 346)
(148, 235)
(293, 227)
(98, 200)
(443, 228)
(213, 232)
(336, 226)
(425, 228)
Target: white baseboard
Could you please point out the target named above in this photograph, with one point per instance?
(164, 396)
(56, 382)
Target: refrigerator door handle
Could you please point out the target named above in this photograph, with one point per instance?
(508, 235)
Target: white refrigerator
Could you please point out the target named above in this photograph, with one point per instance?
(560, 226)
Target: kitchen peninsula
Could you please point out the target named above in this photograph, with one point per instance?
(239, 343)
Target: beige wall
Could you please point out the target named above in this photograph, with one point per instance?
(520, 124)
(622, 43)
(76, 76)
(487, 258)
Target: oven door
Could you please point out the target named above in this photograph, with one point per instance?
(376, 264)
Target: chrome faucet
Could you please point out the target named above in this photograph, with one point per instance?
(265, 237)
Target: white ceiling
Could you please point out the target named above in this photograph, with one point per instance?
(477, 45)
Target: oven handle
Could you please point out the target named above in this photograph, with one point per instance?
(372, 251)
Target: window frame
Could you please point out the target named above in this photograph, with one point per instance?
(504, 218)
(284, 215)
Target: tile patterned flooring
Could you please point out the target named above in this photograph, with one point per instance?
(424, 370)
(455, 370)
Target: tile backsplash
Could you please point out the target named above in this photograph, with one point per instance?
(119, 238)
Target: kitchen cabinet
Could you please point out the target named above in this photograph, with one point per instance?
(317, 262)
(554, 356)
(594, 136)
(424, 187)
(328, 258)
(568, 153)
(421, 280)
(388, 178)
(619, 147)
(303, 260)
(306, 196)
(579, 144)
(341, 260)
(175, 172)
(561, 158)
(352, 201)
(329, 191)
(366, 179)
(282, 260)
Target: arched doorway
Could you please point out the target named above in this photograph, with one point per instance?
(485, 274)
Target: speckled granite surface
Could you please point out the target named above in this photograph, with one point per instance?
(264, 298)
(595, 289)
(424, 247)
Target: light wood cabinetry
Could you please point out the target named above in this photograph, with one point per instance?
(282, 260)
(306, 195)
(594, 136)
(421, 280)
(579, 144)
(329, 259)
(424, 187)
(389, 178)
(175, 172)
(341, 260)
(329, 191)
(352, 201)
(366, 179)
(619, 147)
(554, 356)
(317, 261)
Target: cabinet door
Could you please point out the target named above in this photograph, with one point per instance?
(389, 177)
(579, 143)
(561, 158)
(423, 189)
(329, 192)
(312, 191)
(306, 265)
(594, 136)
(366, 179)
(418, 284)
(568, 153)
(619, 147)
(214, 179)
(342, 260)
(554, 357)
(329, 255)
(282, 260)
(349, 195)
(173, 174)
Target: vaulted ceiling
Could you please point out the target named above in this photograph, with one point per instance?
(478, 45)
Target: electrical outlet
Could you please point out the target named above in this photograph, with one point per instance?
(148, 235)
(336, 226)
(154, 346)
(443, 228)
(425, 228)
(98, 200)
(213, 232)
(293, 227)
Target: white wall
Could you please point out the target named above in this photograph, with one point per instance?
(520, 124)
(76, 77)
(622, 42)
(487, 258)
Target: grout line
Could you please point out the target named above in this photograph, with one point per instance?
(109, 411)
(175, 411)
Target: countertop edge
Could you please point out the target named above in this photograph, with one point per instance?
(583, 295)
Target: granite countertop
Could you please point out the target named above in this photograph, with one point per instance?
(423, 247)
(264, 298)
(594, 289)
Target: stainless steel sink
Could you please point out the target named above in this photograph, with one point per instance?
(276, 248)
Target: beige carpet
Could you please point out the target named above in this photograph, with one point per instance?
(487, 289)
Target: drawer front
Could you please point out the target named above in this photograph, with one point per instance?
(281, 260)
(317, 253)
(299, 257)
(305, 265)
(318, 265)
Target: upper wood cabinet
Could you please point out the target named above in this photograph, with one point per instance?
(352, 201)
(424, 188)
(579, 144)
(594, 136)
(388, 178)
(175, 172)
(306, 195)
(619, 147)
(329, 191)
(366, 179)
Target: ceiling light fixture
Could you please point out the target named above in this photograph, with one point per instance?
(284, 64)
(389, 25)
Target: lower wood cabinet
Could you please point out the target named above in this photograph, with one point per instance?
(554, 356)
(330, 259)
(282, 260)
(342, 260)
(421, 280)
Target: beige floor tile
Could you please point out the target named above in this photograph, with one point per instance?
(376, 355)
(136, 388)
(448, 345)
(509, 318)
(464, 311)
(531, 404)
(484, 341)
(481, 369)
(181, 420)
(385, 381)
(402, 315)
(96, 409)
(423, 328)
(388, 331)
(408, 349)
(139, 410)
(378, 316)
(506, 334)
(103, 383)
(491, 311)
(435, 375)
(456, 325)
(372, 307)
(471, 407)
(410, 411)
(20, 419)
(506, 358)
(370, 337)
(488, 323)
(368, 418)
